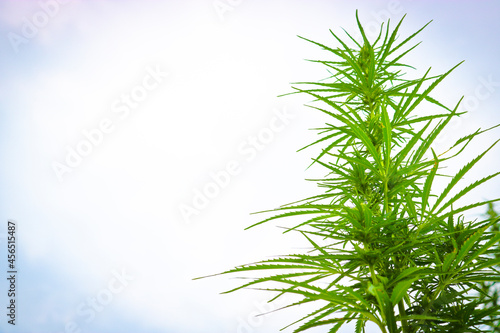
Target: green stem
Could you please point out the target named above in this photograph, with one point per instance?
(374, 276)
(382, 327)
(386, 197)
(402, 313)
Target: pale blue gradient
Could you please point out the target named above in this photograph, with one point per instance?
(120, 207)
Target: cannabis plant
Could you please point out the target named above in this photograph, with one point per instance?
(387, 246)
(490, 292)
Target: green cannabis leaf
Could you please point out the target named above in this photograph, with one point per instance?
(490, 294)
(385, 247)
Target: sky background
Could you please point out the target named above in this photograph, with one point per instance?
(103, 245)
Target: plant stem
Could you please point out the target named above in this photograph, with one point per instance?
(402, 312)
(374, 276)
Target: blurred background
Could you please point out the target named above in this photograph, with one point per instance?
(137, 138)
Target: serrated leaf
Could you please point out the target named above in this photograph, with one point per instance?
(400, 289)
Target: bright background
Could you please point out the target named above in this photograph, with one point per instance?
(119, 209)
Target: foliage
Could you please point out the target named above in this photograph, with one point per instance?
(385, 246)
(490, 293)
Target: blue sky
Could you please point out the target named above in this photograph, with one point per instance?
(203, 83)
